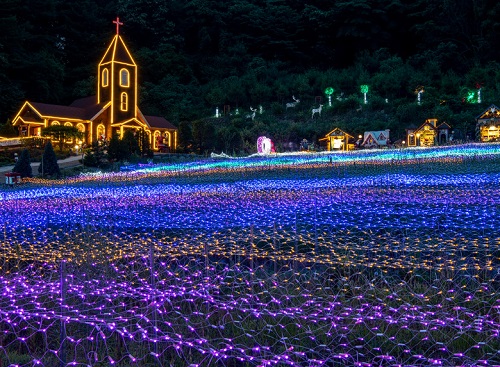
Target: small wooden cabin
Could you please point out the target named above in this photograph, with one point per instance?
(488, 124)
(376, 139)
(429, 134)
(338, 139)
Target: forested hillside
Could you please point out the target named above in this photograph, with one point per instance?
(195, 56)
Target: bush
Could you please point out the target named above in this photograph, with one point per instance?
(49, 165)
(23, 165)
(95, 156)
(118, 149)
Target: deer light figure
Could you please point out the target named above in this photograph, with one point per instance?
(316, 110)
(292, 104)
(251, 115)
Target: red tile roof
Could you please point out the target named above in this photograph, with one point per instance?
(83, 109)
(84, 102)
(59, 111)
(86, 108)
(159, 122)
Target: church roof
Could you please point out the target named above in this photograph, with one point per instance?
(117, 52)
(159, 122)
(86, 108)
(81, 109)
(89, 104)
(84, 102)
(53, 110)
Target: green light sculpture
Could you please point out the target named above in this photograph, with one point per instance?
(329, 91)
(364, 90)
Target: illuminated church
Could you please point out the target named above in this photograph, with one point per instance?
(113, 110)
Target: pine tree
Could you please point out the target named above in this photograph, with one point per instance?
(144, 146)
(7, 130)
(130, 138)
(118, 149)
(23, 164)
(95, 157)
(185, 136)
(49, 165)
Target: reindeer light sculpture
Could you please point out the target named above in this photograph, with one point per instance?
(292, 104)
(316, 111)
(251, 115)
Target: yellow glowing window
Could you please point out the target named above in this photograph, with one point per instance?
(54, 123)
(124, 78)
(81, 128)
(124, 102)
(157, 139)
(105, 77)
(101, 132)
(69, 140)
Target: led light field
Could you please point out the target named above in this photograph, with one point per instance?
(377, 258)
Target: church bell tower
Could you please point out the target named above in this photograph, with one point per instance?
(117, 81)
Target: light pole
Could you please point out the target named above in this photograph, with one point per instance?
(364, 89)
(83, 158)
(418, 91)
(79, 146)
(329, 91)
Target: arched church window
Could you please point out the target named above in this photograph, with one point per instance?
(124, 78)
(81, 128)
(68, 140)
(105, 77)
(124, 102)
(157, 140)
(55, 123)
(101, 135)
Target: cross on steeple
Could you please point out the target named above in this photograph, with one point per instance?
(118, 24)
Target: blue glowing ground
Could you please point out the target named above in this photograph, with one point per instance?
(370, 258)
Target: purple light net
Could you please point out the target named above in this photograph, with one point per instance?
(348, 269)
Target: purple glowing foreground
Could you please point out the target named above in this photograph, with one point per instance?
(307, 263)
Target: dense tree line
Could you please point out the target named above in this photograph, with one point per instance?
(197, 55)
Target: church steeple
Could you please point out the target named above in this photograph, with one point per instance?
(114, 112)
(117, 80)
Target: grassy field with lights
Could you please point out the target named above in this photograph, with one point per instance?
(369, 258)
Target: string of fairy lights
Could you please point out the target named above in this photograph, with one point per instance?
(257, 163)
(318, 260)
